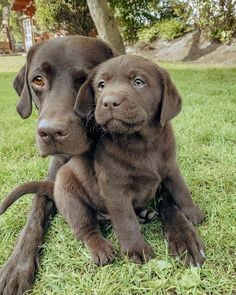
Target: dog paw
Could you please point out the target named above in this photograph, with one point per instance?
(102, 251)
(17, 275)
(146, 215)
(194, 214)
(140, 252)
(184, 243)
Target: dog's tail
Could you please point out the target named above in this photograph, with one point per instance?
(41, 188)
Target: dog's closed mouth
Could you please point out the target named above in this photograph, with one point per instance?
(120, 123)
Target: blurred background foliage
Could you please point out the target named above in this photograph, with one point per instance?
(142, 20)
(72, 16)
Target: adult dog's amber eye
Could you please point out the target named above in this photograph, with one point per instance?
(101, 84)
(139, 83)
(38, 81)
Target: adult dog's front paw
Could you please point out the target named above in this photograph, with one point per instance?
(193, 213)
(139, 252)
(18, 273)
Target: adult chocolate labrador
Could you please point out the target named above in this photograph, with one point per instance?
(135, 108)
(51, 78)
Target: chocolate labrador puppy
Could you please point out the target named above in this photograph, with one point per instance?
(134, 101)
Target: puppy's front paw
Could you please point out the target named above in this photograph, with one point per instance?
(139, 252)
(102, 251)
(184, 242)
(194, 214)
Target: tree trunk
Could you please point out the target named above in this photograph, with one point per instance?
(105, 23)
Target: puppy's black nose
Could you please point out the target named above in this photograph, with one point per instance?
(111, 102)
(52, 130)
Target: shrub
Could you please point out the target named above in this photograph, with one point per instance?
(70, 15)
(215, 18)
(166, 29)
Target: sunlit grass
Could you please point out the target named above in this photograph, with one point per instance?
(206, 137)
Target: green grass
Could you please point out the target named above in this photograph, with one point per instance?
(206, 137)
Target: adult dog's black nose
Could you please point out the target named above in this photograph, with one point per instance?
(111, 102)
(52, 130)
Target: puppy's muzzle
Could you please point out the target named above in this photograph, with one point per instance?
(111, 102)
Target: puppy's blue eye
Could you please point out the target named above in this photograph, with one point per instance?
(139, 83)
(101, 85)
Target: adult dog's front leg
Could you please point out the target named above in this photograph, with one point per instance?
(18, 273)
(179, 191)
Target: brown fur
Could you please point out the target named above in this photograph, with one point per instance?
(41, 188)
(181, 235)
(131, 160)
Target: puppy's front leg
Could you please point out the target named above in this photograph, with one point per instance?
(182, 237)
(179, 191)
(126, 226)
(72, 202)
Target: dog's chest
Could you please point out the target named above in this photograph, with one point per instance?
(144, 179)
(133, 174)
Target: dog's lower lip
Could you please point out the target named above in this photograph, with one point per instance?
(51, 153)
(127, 124)
(132, 124)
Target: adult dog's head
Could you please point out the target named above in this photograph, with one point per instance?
(130, 93)
(51, 79)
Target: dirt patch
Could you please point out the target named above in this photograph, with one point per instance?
(190, 47)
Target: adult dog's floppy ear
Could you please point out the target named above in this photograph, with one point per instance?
(113, 52)
(19, 80)
(170, 99)
(85, 99)
(24, 106)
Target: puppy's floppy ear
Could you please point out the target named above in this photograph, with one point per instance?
(170, 99)
(21, 85)
(85, 99)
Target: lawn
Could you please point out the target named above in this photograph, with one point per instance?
(206, 138)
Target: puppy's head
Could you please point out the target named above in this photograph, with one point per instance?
(51, 78)
(130, 93)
